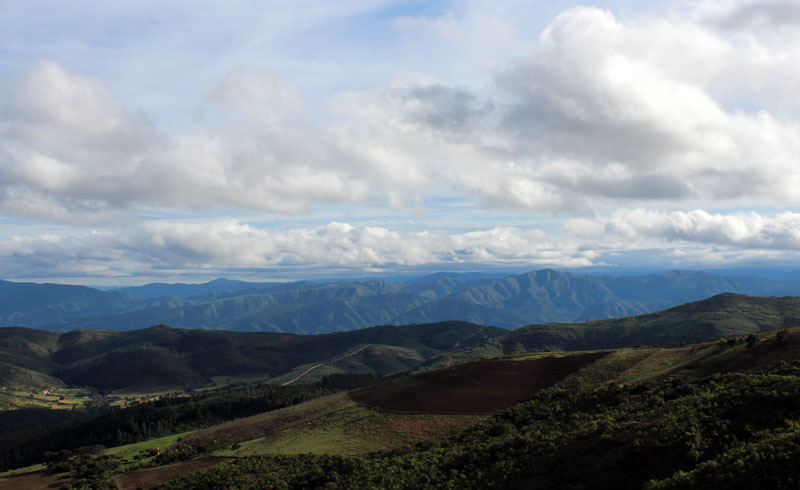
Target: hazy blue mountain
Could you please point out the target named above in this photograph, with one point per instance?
(180, 290)
(312, 307)
(23, 303)
(551, 296)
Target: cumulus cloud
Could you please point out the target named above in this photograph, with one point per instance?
(168, 248)
(66, 143)
(698, 109)
(71, 152)
(259, 93)
(229, 244)
(607, 96)
(743, 230)
(751, 13)
(603, 111)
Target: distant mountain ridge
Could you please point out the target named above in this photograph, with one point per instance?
(182, 290)
(166, 357)
(310, 307)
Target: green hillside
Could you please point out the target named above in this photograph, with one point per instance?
(162, 358)
(713, 415)
(724, 315)
(719, 414)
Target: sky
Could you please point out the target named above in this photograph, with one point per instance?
(146, 141)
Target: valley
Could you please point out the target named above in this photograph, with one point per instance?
(423, 406)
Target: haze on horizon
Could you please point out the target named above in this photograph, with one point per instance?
(181, 141)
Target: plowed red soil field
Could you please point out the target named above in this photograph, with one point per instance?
(145, 479)
(480, 387)
(35, 480)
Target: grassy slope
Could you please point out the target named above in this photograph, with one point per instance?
(351, 429)
(139, 452)
(332, 425)
(636, 418)
(337, 425)
(303, 424)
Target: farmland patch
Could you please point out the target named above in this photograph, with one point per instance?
(480, 387)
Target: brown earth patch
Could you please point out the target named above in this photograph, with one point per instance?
(480, 387)
(35, 480)
(428, 426)
(145, 479)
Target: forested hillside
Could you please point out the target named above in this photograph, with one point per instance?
(723, 315)
(733, 429)
(163, 358)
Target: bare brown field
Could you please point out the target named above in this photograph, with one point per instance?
(145, 479)
(480, 387)
(35, 480)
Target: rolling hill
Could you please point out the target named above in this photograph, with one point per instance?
(166, 358)
(163, 358)
(709, 415)
(689, 415)
(723, 315)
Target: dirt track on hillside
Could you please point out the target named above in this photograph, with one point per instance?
(480, 387)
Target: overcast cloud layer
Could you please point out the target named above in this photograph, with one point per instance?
(270, 141)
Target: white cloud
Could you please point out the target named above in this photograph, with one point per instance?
(742, 230)
(71, 152)
(169, 248)
(598, 111)
(259, 93)
(222, 245)
(604, 111)
(760, 14)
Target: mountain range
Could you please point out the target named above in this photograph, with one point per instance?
(311, 307)
(161, 357)
(716, 414)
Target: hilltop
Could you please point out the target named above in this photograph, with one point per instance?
(723, 315)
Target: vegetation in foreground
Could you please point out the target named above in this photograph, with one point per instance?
(163, 417)
(734, 430)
